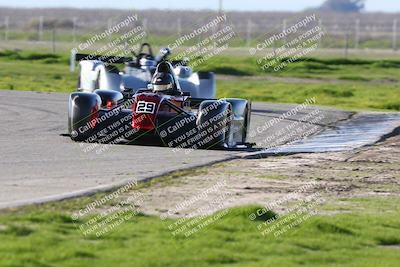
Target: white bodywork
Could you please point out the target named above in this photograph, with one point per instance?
(96, 74)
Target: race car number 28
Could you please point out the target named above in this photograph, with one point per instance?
(145, 107)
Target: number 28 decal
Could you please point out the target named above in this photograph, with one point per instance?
(145, 107)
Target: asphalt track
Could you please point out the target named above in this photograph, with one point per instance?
(38, 164)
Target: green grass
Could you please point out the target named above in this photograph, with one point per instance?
(46, 236)
(342, 83)
(348, 96)
(28, 71)
(161, 38)
(29, 76)
(317, 68)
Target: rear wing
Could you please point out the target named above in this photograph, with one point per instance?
(76, 57)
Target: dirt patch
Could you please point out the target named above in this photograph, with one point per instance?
(369, 171)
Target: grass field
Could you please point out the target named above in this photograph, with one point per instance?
(47, 236)
(343, 83)
(64, 35)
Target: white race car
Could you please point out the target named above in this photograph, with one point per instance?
(97, 72)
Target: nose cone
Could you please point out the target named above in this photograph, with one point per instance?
(145, 111)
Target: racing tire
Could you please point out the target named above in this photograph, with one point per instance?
(242, 111)
(215, 119)
(82, 113)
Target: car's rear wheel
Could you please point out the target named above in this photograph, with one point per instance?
(229, 134)
(241, 109)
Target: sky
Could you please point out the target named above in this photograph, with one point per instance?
(240, 5)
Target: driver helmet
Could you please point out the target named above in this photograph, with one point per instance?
(163, 82)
